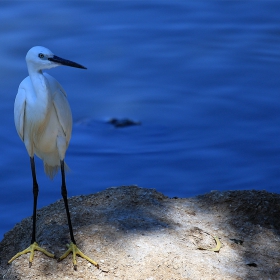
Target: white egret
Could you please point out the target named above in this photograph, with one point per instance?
(43, 121)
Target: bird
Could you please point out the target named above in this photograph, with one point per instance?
(43, 121)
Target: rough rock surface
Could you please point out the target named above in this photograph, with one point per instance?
(136, 233)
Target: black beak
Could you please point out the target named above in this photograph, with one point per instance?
(66, 62)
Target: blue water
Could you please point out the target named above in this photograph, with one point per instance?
(201, 76)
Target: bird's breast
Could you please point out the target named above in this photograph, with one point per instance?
(44, 130)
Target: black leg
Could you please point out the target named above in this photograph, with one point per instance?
(64, 195)
(35, 196)
(34, 246)
(72, 247)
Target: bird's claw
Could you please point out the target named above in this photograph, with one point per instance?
(76, 251)
(31, 249)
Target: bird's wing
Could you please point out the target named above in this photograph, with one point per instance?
(19, 111)
(61, 106)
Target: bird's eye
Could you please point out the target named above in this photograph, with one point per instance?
(41, 55)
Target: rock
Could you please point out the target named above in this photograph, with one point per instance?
(136, 233)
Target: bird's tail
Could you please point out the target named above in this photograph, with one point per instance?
(51, 171)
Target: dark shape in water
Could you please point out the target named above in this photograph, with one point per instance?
(122, 122)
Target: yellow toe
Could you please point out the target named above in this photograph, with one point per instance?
(31, 249)
(76, 251)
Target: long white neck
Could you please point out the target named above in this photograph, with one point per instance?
(41, 97)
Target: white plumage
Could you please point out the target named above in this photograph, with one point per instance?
(42, 113)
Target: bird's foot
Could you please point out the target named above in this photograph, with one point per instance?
(76, 251)
(31, 249)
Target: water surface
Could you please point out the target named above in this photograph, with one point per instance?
(202, 77)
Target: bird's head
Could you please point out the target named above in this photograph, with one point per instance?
(40, 58)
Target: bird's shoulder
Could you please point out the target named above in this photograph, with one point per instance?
(55, 86)
(19, 107)
(25, 85)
